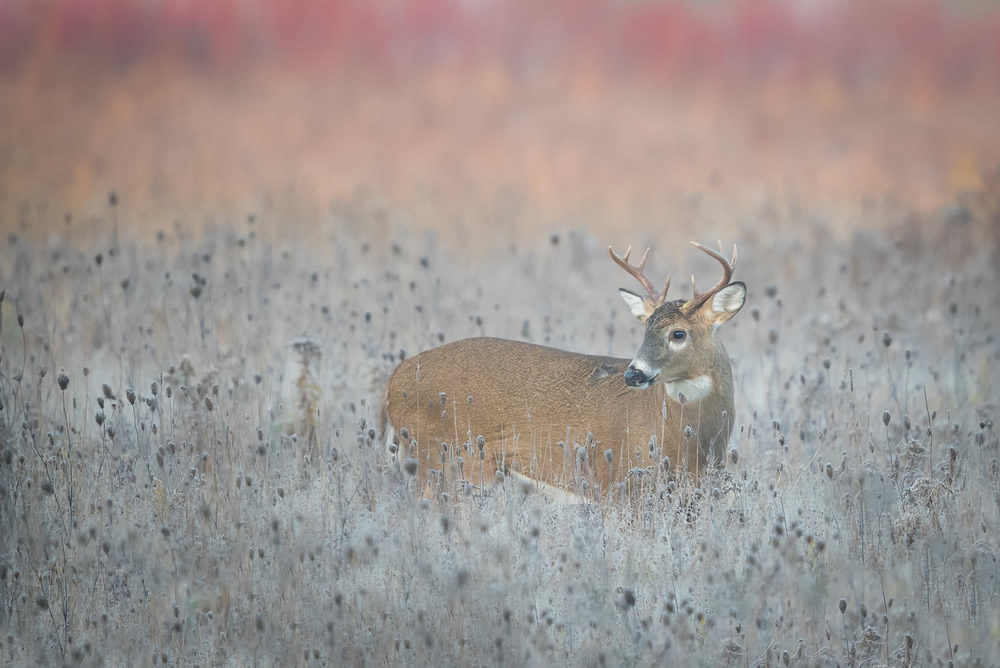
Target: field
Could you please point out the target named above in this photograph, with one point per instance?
(207, 278)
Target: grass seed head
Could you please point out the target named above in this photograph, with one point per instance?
(410, 466)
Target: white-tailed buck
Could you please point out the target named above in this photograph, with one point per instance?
(586, 423)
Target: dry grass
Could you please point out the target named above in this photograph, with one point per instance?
(189, 471)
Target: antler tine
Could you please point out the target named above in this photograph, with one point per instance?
(727, 271)
(638, 272)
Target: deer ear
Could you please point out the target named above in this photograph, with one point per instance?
(727, 302)
(641, 307)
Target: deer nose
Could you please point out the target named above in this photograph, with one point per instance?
(634, 377)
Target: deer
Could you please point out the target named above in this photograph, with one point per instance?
(480, 410)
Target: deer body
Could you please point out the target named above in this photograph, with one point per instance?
(562, 418)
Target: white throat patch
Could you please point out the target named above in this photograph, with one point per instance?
(693, 389)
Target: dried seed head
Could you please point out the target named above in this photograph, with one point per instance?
(107, 391)
(885, 418)
(829, 470)
(154, 388)
(608, 454)
(130, 395)
(886, 339)
(843, 605)
(480, 442)
(410, 466)
(100, 418)
(734, 454)
(208, 404)
(63, 381)
(443, 398)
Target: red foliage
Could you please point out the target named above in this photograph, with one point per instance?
(668, 39)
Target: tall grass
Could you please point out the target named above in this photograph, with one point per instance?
(190, 469)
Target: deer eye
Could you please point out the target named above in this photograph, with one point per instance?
(678, 334)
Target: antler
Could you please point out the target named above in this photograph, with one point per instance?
(638, 272)
(700, 298)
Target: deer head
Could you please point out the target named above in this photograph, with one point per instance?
(679, 345)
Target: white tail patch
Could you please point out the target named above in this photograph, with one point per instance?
(693, 389)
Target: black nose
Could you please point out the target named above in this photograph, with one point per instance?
(634, 377)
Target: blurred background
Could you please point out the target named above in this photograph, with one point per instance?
(487, 120)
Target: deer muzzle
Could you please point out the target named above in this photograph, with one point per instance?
(635, 377)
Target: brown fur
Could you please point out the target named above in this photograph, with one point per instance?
(526, 398)
(568, 419)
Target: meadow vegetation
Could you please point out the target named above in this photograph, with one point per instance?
(191, 470)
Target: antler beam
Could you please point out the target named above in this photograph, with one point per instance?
(728, 266)
(638, 272)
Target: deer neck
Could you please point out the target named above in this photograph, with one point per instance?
(689, 389)
(696, 388)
